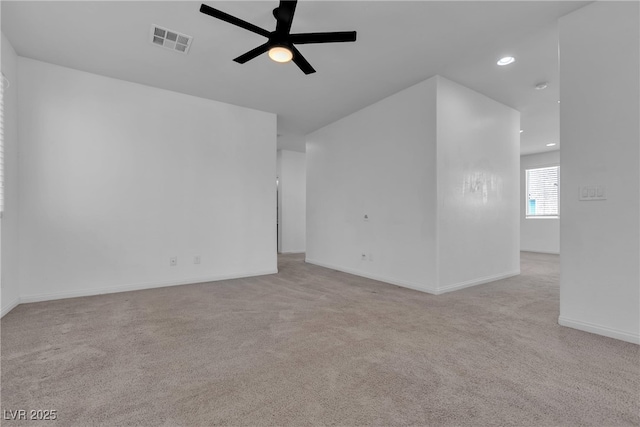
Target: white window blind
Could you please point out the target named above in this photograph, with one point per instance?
(2, 87)
(542, 192)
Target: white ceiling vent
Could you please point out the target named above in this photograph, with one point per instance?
(170, 39)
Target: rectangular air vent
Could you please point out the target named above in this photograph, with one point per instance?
(170, 39)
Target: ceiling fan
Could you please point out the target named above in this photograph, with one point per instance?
(280, 43)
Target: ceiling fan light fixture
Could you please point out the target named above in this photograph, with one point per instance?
(280, 54)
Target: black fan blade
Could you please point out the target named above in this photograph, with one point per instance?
(301, 62)
(208, 10)
(285, 16)
(336, 37)
(252, 53)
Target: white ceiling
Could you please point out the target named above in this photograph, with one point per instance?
(399, 44)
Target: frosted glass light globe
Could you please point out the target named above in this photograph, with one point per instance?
(280, 54)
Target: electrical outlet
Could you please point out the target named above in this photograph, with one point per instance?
(366, 217)
(173, 261)
(364, 257)
(196, 259)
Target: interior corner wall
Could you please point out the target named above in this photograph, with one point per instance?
(292, 197)
(292, 142)
(9, 223)
(116, 178)
(379, 162)
(478, 155)
(419, 189)
(538, 234)
(279, 197)
(600, 134)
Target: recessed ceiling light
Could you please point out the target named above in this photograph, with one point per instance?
(558, 101)
(551, 144)
(521, 131)
(541, 86)
(506, 60)
(280, 54)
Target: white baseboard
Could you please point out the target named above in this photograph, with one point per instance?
(135, 287)
(535, 251)
(416, 286)
(7, 308)
(291, 252)
(404, 284)
(474, 282)
(599, 330)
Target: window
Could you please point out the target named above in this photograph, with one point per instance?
(542, 192)
(3, 83)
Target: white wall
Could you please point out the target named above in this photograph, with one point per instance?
(292, 201)
(116, 178)
(435, 168)
(279, 196)
(292, 142)
(380, 162)
(478, 191)
(600, 134)
(538, 234)
(9, 223)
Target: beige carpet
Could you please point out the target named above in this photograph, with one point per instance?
(315, 346)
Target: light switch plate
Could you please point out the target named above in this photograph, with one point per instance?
(592, 192)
